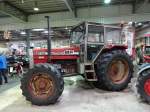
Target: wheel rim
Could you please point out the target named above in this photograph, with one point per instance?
(147, 87)
(41, 85)
(118, 71)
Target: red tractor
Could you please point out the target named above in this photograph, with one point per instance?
(143, 83)
(98, 53)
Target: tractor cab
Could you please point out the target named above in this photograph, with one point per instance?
(94, 38)
(146, 52)
(143, 50)
(146, 49)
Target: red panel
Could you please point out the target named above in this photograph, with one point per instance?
(57, 54)
(147, 87)
(147, 35)
(56, 50)
(133, 53)
(147, 59)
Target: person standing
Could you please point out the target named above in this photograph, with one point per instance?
(3, 68)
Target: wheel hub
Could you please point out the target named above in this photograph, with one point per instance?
(41, 85)
(118, 71)
(147, 87)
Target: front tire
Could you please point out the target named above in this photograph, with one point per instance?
(42, 85)
(114, 70)
(143, 86)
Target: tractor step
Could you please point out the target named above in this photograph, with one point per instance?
(89, 71)
(89, 66)
(90, 74)
(88, 63)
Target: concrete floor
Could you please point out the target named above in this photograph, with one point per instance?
(77, 97)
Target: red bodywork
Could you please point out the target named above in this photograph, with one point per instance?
(143, 47)
(68, 53)
(64, 58)
(146, 57)
(147, 87)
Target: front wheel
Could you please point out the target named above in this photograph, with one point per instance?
(114, 70)
(42, 85)
(143, 86)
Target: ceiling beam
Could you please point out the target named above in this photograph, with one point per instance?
(134, 5)
(11, 10)
(70, 6)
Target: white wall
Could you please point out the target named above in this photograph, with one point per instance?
(143, 8)
(143, 32)
(106, 11)
(106, 14)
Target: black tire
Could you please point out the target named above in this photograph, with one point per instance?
(102, 66)
(142, 79)
(51, 73)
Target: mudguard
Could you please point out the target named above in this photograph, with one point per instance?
(144, 67)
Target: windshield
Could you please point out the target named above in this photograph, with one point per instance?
(96, 33)
(113, 35)
(147, 50)
(76, 37)
(77, 34)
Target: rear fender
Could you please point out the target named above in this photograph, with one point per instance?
(107, 49)
(143, 68)
(110, 48)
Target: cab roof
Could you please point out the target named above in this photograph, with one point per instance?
(93, 23)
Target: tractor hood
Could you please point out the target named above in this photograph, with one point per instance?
(64, 54)
(58, 51)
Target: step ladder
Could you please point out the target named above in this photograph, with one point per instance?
(90, 74)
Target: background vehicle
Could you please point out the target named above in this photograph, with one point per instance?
(102, 59)
(143, 83)
(143, 50)
(15, 67)
(24, 59)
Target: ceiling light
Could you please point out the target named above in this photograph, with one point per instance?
(139, 24)
(130, 23)
(107, 1)
(22, 1)
(38, 29)
(22, 33)
(66, 28)
(47, 32)
(36, 6)
(36, 9)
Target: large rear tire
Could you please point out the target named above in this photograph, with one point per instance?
(143, 86)
(42, 85)
(114, 70)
